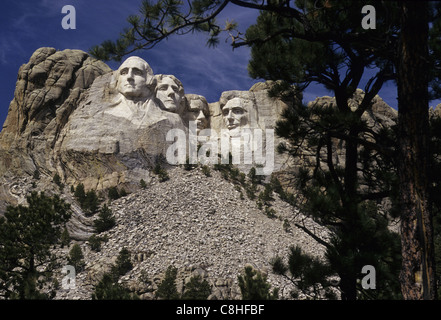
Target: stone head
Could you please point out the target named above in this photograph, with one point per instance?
(236, 112)
(197, 110)
(170, 91)
(134, 79)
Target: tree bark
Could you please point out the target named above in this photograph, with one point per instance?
(418, 272)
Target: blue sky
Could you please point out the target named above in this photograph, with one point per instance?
(27, 25)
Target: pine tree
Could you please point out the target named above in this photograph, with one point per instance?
(254, 286)
(76, 257)
(90, 203)
(80, 193)
(113, 193)
(27, 233)
(108, 289)
(122, 264)
(105, 220)
(65, 238)
(300, 42)
(196, 289)
(167, 288)
(413, 168)
(311, 276)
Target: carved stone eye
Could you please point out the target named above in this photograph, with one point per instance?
(137, 72)
(238, 111)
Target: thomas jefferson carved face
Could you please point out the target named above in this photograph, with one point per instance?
(171, 93)
(134, 75)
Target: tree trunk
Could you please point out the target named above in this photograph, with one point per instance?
(418, 273)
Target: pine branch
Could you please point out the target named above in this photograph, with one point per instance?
(315, 237)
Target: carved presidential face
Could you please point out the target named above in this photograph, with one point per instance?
(198, 112)
(234, 114)
(170, 91)
(133, 77)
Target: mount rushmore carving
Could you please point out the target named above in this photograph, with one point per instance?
(73, 116)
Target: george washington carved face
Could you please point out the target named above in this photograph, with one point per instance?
(133, 79)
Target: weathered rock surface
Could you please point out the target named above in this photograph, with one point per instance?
(200, 225)
(48, 89)
(73, 116)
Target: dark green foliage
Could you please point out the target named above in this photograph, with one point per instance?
(76, 257)
(57, 181)
(80, 193)
(65, 238)
(270, 212)
(266, 195)
(95, 242)
(206, 170)
(372, 244)
(26, 236)
(122, 264)
(196, 289)
(188, 166)
(254, 178)
(143, 184)
(123, 192)
(91, 203)
(105, 220)
(251, 191)
(109, 289)
(336, 196)
(160, 172)
(113, 193)
(167, 288)
(36, 174)
(254, 286)
(88, 201)
(310, 275)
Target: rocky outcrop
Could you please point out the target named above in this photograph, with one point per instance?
(201, 225)
(75, 117)
(48, 89)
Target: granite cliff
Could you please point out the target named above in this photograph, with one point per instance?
(75, 118)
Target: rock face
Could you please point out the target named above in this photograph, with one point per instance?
(48, 89)
(199, 224)
(74, 117)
